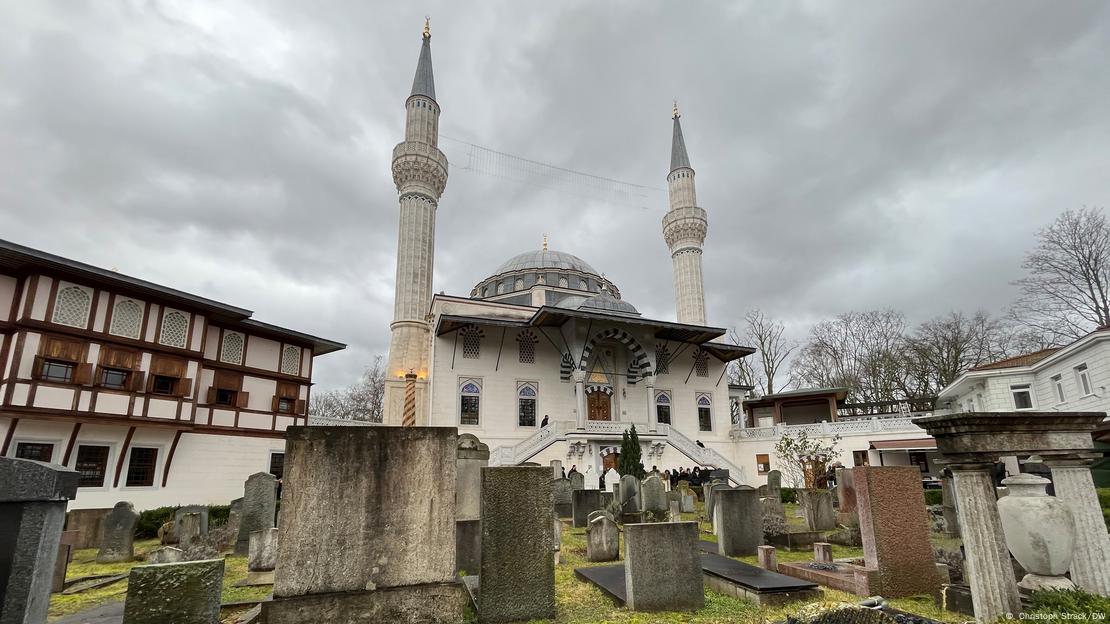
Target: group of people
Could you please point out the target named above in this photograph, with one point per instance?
(694, 476)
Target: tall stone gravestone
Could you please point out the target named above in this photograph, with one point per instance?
(262, 558)
(189, 529)
(774, 484)
(33, 497)
(368, 527)
(892, 521)
(707, 490)
(630, 501)
(817, 508)
(591, 479)
(654, 496)
(846, 496)
(117, 534)
(87, 523)
(561, 495)
(556, 469)
(602, 537)
(517, 579)
(662, 567)
(584, 502)
(473, 455)
(259, 508)
(739, 522)
(577, 481)
(182, 593)
(612, 479)
(188, 509)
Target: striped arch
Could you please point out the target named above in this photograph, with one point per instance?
(638, 362)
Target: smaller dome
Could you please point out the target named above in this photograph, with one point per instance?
(608, 304)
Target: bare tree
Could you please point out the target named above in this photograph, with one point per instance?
(765, 334)
(943, 348)
(362, 400)
(1066, 291)
(862, 351)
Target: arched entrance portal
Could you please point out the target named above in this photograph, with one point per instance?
(610, 458)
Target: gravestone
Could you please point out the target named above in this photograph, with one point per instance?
(117, 534)
(259, 508)
(767, 558)
(895, 536)
(517, 579)
(602, 537)
(612, 479)
(845, 491)
(472, 456)
(592, 480)
(468, 546)
(262, 558)
(87, 522)
(654, 496)
(774, 484)
(188, 509)
(556, 469)
(584, 502)
(687, 502)
(189, 529)
(345, 488)
(948, 508)
(674, 511)
(817, 509)
(630, 495)
(61, 564)
(562, 495)
(33, 497)
(577, 481)
(182, 593)
(739, 522)
(709, 490)
(557, 535)
(165, 554)
(662, 567)
(822, 552)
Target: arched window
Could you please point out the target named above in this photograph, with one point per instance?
(71, 306)
(563, 283)
(470, 401)
(127, 319)
(175, 329)
(231, 350)
(472, 342)
(501, 288)
(705, 412)
(519, 284)
(663, 407)
(526, 347)
(291, 360)
(527, 394)
(582, 284)
(701, 363)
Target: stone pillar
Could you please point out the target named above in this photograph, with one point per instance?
(259, 508)
(993, 589)
(33, 499)
(653, 417)
(580, 397)
(1090, 565)
(174, 592)
(517, 580)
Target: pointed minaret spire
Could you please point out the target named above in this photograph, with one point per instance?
(678, 144)
(423, 83)
(684, 229)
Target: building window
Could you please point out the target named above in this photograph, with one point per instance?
(472, 342)
(519, 284)
(225, 397)
(582, 284)
(277, 464)
(662, 358)
(526, 347)
(705, 413)
(231, 349)
(563, 283)
(501, 288)
(291, 360)
(762, 463)
(1058, 384)
(92, 463)
(860, 458)
(1083, 379)
(175, 329)
(919, 459)
(114, 378)
(141, 466)
(161, 384)
(285, 406)
(701, 363)
(663, 408)
(1023, 397)
(127, 319)
(57, 371)
(526, 394)
(470, 393)
(285, 401)
(71, 306)
(37, 451)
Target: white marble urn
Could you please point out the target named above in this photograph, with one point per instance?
(1039, 530)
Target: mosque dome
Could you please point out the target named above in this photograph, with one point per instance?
(544, 277)
(546, 259)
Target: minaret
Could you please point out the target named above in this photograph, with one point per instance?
(684, 228)
(420, 173)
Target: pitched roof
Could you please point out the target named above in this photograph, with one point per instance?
(1027, 359)
(422, 82)
(678, 148)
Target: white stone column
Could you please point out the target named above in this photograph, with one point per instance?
(994, 593)
(653, 420)
(580, 391)
(1090, 564)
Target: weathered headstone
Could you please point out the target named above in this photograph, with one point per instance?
(182, 593)
(739, 522)
(87, 522)
(189, 529)
(117, 534)
(612, 479)
(822, 552)
(709, 490)
(592, 480)
(845, 491)
(687, 502)
(767, 559)
(654, 496)
(584, 502)
(562, 497)
(557, 535)
(774, 484)
(472, 456)
(200, 510)
(33, 497)
(556, 469)
(662, 567)
(630, 494)
(577, 481)
(817, 508)
(674, 511)
(259, 508)
(773, 507)
(262, 558)
(892, 524)
(345, 490)
(518, 571)
(602, 537)
(165, 554)
(468, 546)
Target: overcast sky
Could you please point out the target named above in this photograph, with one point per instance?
(850, 155)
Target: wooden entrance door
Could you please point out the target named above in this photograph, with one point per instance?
(597, 406)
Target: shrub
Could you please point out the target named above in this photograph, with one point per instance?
(789, 495)
(151, 520)
(773, 524)
(1058, 607)
(217, 514)
(933, 497)
(1104, 502)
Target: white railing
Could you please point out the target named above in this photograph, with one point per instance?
(328, 421)
(607, 426)
(826, 429)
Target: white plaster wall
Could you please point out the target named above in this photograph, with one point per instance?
(7, 295)
(152, 323)
(212, 344)
(1097, 359)
(161, 408)
(252, 420)
(261, 391)
(54, 398)
(112, 402)
(31, 342)
(101, 312)
(262, 353)
(42, 297)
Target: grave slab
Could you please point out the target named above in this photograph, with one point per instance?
(662, 567)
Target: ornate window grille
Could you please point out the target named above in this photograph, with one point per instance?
(127, 319)
(71, 306)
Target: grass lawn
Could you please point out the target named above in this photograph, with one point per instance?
(84, 564)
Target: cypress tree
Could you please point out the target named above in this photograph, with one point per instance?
(630, 454)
